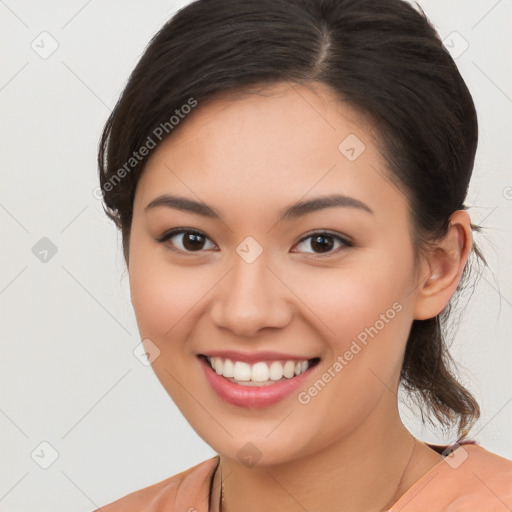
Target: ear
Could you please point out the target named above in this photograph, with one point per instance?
(443, 269)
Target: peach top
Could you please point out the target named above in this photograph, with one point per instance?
(470, 479)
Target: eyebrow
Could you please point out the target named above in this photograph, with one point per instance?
(293, 211)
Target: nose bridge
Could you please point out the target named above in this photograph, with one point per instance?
(251, 297)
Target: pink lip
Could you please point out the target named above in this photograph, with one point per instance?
(252, 396)
(254, 357)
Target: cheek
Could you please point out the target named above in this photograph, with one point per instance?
(367, 315)
(164, 294)
(166, 300)
(354, 302)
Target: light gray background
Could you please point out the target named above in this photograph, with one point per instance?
(68, 373)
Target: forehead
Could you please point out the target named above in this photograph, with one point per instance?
(270, 147)
(291, 120)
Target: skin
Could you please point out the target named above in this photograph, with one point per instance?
(249, 157)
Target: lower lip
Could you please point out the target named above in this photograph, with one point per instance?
(252, 396)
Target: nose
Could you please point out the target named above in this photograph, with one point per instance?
(250, 298)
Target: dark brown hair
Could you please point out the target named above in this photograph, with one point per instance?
(383, 57)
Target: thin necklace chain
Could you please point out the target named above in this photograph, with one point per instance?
(221, 499)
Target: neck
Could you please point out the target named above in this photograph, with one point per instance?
(365, 471)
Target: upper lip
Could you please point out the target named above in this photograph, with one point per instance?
(254, 357)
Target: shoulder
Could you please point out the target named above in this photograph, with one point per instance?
(188, 490)
(487, 479)
(469, 478)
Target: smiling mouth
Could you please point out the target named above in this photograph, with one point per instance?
(261, 373)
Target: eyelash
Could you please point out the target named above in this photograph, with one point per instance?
(170, 234)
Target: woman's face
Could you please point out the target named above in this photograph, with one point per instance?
(335, 284)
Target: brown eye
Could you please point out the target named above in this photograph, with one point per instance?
(324, 242)
(187, 240)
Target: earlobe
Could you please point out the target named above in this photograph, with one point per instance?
(444, 267)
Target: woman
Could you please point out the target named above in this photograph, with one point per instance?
(289, 180)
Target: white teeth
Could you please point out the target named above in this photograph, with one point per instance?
(257, 372)
(217, 365)
(228, 369)
(289, 369)
(276, 370)
(242, 371)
